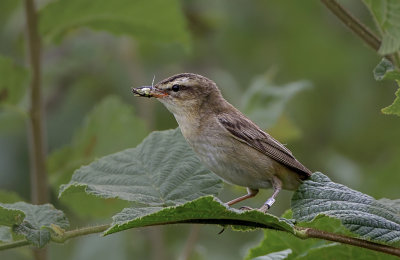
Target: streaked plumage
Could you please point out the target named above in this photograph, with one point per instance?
(227, 142)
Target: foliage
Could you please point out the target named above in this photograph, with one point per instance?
(160, 181)
(136, 18)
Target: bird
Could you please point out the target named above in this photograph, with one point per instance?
(225, 140)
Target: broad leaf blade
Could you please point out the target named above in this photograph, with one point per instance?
(161, 171)
(313, 248)
(157, 20)
(358, 212)
(387, 17)
(264, 102)
(38, 220)
(110, 127)
(206, 209)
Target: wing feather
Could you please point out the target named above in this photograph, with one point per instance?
(247, 132)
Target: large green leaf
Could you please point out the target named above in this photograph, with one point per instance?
(206, 209)
(358, 212)
(387, 17)
(37, 223)
(156, 20)
(13, 81)
(110, 127)
(385, 70)
(264, 102)
(274, 242)
(161, 171)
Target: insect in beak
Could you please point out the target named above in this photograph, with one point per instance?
(149, 92)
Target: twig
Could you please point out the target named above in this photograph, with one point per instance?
(355, 25)
(301, 232)
(314, 233)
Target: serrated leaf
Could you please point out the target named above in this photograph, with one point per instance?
(394, 108)
(161, 171)
(110, 127)
(156, 21)
(264, 102)
(386, 70)
(387, 18)
(12, 82)
(37, 218)
(313, 248)
(10, 216)
(206, 209)
(358, 212)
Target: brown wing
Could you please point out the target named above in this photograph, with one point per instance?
(247, 132)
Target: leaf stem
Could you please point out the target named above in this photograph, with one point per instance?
(79, 232)
(314, 233)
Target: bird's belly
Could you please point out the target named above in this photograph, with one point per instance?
(236, 163)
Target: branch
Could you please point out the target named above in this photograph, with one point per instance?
(301, 232)
(315, 233)
(355, 25)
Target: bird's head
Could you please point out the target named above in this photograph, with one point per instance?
(182, 93)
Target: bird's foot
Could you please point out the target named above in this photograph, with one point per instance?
(246, 208)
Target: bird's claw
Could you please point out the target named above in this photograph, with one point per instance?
(245, 208)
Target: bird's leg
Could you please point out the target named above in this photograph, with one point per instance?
(277, 186)
(250, 194)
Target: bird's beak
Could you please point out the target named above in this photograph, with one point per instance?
(149, 92)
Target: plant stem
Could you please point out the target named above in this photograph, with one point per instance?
(353, 24)
(37, 154)
(79, 232)
(314, 233)
(301, 232)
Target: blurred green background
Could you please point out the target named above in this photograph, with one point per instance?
(289, 65)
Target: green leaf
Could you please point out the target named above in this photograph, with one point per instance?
(5, 234)
(394, 108)
(385, 70)
(358, 212)
(7, 9)
(264, 102)
(37, 222)
(156, 21)
(275, 255)
(10, 216)
(161, 171)
(9, 197)
(274, 242)
(206, 209)
(12, 82)
(387, 18)
(110, 127)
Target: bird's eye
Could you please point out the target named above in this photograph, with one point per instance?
(175, 88)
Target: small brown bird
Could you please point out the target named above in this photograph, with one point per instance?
(227, 142)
